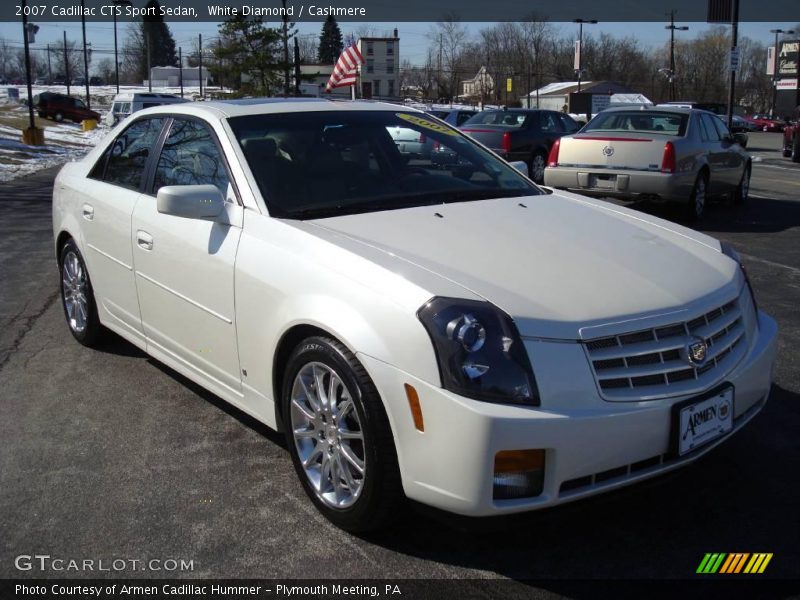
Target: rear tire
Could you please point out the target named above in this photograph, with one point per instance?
(339, 436)
(536, 167)
(77, 297)
(696, 207)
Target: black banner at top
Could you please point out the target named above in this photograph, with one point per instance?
(393, 11)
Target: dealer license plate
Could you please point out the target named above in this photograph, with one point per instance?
(702, 422)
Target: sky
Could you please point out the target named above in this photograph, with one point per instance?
(414, 40)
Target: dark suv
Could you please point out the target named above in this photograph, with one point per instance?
(61, 107)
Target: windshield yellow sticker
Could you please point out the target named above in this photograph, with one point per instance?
(425, 123)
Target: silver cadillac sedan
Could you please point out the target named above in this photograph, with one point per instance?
(668, 154)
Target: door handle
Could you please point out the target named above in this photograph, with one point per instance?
(88, 212)
(144, 240)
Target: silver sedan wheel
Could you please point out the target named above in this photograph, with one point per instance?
(700, 196)
(74, 290)
(328, 435)
(744, 189)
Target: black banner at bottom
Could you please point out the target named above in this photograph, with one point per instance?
(359, 589)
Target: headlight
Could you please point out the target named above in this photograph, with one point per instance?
(728, 251)
(479, 351)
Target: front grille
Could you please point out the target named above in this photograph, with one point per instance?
(653, 363)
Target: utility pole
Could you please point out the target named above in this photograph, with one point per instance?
(66, 63)
(49, 67)
(580, 23)
(25, 34)
(200, 73)
(180, 68)
(285, 51)
(672, 27)
(85, 55)
(775, 69)
(734, 44)
(439, 76)
(149, 68)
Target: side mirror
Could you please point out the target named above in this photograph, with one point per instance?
(741, 139)
(520, 166)
(190, 201)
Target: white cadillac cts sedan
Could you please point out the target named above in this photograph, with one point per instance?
(456, 335)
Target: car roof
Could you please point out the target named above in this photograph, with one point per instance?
(223, 109)
(655, 109)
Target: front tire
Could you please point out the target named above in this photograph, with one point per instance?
(59, 117)
(742, 192)
(339, 437)
(696, 207)
(77, 296)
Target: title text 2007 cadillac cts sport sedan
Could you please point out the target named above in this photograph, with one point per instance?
(460, 337)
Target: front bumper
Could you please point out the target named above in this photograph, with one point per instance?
(591, 445)
(621, 183)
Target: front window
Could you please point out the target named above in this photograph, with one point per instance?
(79, 104)
(127, 156)
(328, 163)
(190, 157)
(639, 121)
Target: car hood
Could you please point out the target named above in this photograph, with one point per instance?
(557, 263)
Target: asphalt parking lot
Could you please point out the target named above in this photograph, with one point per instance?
(108, 454)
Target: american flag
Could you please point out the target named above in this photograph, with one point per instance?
(346, 69)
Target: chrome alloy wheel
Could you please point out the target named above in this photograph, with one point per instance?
(328, 435)
(700, 196)
(74, 290)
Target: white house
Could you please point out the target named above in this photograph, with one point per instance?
(380, 75)
(171, 76)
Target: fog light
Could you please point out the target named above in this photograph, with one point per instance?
(518, 474)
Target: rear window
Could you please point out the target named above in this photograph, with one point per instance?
(498, 117)
(654, 122)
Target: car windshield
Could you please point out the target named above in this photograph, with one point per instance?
(329, 163)
(497, 117)
(653, 122)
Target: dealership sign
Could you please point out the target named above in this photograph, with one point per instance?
(787, 57)
(787, 84)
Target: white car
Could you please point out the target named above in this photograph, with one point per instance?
(457, 336)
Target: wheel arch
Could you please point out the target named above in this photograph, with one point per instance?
(61, 239)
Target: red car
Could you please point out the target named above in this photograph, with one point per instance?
(791, 137)
(766, 123)
(61, 107)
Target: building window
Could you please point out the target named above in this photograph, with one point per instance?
(390, 66)
(370, 49)
(389, 48)
(370, 65)
(391, 87)
(376, 87)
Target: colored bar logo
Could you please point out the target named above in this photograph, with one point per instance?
(734, 563)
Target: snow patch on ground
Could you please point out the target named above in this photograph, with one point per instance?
(63, 143)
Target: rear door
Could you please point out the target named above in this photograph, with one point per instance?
(112, 190)
(184, 267)
(717, 155)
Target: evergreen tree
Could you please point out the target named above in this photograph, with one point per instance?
(161, 43)
(330, 42)
(252, 54)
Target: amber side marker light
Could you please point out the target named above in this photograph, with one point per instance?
(414, 405)
(518, 474)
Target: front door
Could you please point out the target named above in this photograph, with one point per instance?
(184, 267)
